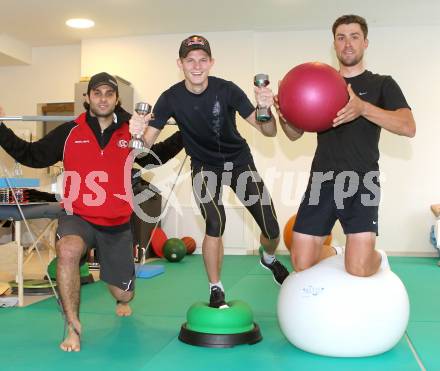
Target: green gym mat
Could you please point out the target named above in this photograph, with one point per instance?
(108, 343)
(263, 298)
(425, 337)
(185, 281)
(421, 277)
(273, 353)
(148, 339)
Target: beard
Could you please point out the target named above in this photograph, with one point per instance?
(350, 62)
(97, 113)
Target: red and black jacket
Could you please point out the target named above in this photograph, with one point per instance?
(94, 163)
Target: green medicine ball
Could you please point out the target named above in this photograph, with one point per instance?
(52, 269)
(174, 250)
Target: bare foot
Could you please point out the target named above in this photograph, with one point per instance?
(72, 343)
(123, 309)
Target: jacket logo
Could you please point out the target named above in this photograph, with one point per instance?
(82, 141)
(122, 143)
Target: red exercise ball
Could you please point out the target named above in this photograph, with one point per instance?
(190, 244)
(158, 239)
(311, 94)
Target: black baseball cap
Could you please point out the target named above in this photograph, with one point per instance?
(194, 42)
(102, 78)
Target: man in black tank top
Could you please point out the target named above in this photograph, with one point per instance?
(204, 108)
(344, 182)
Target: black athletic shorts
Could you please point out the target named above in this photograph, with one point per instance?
(353, 200)
(114, 249)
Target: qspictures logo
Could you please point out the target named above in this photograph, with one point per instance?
(92, 193)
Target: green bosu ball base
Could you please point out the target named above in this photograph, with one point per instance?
(84, 272)
(34, 287)
(220, 328)
(52, 269)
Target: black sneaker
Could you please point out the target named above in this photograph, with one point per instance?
(217, 298)
(278, 270)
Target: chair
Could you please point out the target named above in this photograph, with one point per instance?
(48, 210)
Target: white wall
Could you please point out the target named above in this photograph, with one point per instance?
(410, 166)
(49, 79)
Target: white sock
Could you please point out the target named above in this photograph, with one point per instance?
(339, 250)
(269, 259)
(218, 284)
(384, 264)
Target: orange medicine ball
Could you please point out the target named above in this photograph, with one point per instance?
(288, 229)
(190, 244)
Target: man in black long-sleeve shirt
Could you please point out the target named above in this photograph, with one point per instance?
(94, 150)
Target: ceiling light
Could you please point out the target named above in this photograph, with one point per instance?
(80, 23)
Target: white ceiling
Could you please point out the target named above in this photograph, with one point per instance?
(41, 22)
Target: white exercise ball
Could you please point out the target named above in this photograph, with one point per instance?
(327, 311)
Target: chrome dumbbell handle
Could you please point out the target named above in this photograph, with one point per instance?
(263, 113)
(141, 108)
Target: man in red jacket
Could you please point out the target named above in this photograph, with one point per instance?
(95, 153)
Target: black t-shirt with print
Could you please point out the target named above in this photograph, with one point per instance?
(355, 146)
(207, 121)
